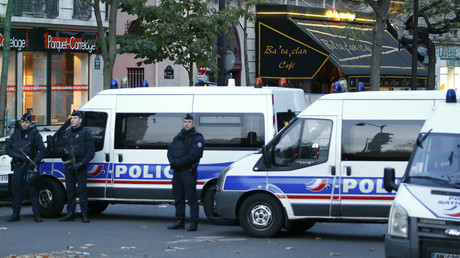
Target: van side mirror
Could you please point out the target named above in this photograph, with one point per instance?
(389, 182)
(51, 145)
(265, 157)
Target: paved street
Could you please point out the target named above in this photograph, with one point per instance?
(140, 231)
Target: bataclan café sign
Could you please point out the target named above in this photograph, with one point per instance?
(51, 40)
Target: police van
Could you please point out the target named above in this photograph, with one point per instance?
(132, 129)
(326, 165)
(424, 219)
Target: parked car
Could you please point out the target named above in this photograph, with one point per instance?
(5, 163)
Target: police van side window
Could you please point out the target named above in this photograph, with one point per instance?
(146, 131)
(233, 131)
(304, 143)
(379, 140)
(96, 122)
(221, 131)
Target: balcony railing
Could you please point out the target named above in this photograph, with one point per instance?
(81, 10)
(36, 8)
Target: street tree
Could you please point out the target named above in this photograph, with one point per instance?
(380, 8)
(439, 17)
(107, 41)
(183, 31)
(6, 22)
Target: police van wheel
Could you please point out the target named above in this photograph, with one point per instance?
(97, 207)
(51, 196)
(261, 216)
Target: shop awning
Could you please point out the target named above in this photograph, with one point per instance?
(298, 48)
(350, 48)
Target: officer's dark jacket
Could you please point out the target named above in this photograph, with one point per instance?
(186, 149)
(30, 141)
(82, 142)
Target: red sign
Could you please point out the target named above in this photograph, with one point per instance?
(202, 70)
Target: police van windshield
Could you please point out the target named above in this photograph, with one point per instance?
(436, 161)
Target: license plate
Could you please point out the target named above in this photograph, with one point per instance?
(444, 255)
(4, 178)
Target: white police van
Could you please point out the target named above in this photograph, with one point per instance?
(424, 219)
(327, 165)
(132, 129)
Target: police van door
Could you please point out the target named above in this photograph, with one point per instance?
(304, 165)
(100, 168)
(368, 147)
(142, 135)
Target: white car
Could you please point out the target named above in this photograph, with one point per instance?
(5, 166)
(5, 160)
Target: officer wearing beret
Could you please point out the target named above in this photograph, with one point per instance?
(184, 154)
(26, 140)
(78, 148)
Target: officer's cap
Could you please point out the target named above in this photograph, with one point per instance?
(27, 117)
(189, 117)
(77, 113)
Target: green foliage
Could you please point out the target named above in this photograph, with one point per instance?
(184, 31)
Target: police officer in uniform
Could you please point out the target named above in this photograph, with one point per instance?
(184, 154)
(25, 140)
(78, 148)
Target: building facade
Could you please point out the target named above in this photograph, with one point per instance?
(54, 64)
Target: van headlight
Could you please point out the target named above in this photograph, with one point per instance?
(398, 224)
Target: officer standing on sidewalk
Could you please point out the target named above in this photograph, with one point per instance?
(26, 140)
(184, 154)
(78, 148)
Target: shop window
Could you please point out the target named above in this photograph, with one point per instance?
(69, 84)
(34, 86)
(10, 92)
(135, 77)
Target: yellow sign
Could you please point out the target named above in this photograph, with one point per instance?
(338, 16)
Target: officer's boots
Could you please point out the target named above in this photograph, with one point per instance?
(68, 217)
(84, 217)
(37, 217)
(180, 224)
(193, 226)
(14, 217)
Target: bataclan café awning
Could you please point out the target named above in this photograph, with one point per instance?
(294, 48)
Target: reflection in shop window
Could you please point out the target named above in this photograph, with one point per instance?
(69, 84)
(34, 86)
(10, 92)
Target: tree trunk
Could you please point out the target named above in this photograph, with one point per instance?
(5, 65)
(190, 74)
(375, 59)
(431, 65)
(245, 42)
(109, 52)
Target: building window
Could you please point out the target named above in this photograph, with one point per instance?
(34, 86)
(81, 10)
(10, 111)
(135, 77)
(36, 8)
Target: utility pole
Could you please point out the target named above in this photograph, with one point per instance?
(413, 85)
(221, 52)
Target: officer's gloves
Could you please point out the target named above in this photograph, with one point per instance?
(20, 158)
(75, 166)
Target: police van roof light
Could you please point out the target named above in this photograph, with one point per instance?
(451, 96)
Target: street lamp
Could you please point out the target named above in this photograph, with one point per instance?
(366, 123)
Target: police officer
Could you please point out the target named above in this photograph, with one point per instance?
(26, 140)
(184, 154)
(78, 147)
